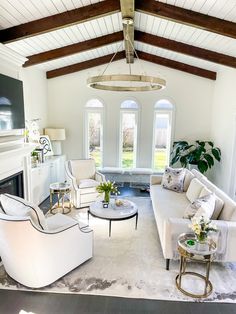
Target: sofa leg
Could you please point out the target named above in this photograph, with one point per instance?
(167, 264)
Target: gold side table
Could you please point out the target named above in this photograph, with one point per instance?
(195, 253)
(61, 190)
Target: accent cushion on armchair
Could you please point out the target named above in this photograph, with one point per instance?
(83, 177)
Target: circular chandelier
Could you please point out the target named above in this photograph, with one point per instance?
(126, 82)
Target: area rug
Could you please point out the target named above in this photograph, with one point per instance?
(130, 264)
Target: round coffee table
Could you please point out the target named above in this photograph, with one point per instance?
(61, 190)
(113, 212)
(195, 252)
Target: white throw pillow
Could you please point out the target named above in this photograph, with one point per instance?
(187, 179)
(202, 206)
(88, 183)
(219, 204)
(194, 190)
(173, 179)
(207, 206)
(17, 206)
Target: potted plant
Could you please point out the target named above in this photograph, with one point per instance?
(202, 154)
(107, 188)
(201, 226)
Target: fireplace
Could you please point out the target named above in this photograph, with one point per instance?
(13, 185)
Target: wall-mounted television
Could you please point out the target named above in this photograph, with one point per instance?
(12, 114)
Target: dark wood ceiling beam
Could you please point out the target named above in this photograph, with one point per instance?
(188, 17)
(127, 13)
(186, 49)
(177, 65)
(60, 20)
(84, 65)
(74, 48)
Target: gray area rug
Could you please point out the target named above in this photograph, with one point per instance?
(130, 264)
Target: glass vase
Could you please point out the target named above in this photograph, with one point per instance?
(107, 196)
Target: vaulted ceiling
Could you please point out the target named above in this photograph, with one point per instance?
(65, 36)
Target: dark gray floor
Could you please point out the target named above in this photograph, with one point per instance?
(11, 302)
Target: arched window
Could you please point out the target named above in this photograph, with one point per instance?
(94, 131)
(128, 133)
(163, 110)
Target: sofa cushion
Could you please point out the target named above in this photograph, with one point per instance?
(16, 206)
(173, 179)
(194, 190)
(187, 179)
(88, 183)
(229, 205)
(166, 204)
(202, 206)
(219, 204)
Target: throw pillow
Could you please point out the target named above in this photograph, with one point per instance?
(173, 179)
(219, 204)
(202, 206)
(187, 179)
(16, 206)
(194, 190)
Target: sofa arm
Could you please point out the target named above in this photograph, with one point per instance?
(155, 179)
(99, 177)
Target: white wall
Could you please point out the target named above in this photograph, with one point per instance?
(35, 95)
(224, 128)
(191, 95)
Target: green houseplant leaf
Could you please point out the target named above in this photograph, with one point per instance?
(201, 153)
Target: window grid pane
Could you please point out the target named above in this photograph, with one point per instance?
(161, 141)
(128, 140)
(95, 136)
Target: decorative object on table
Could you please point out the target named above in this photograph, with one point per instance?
(45, 145)
(201, 226)
(34, 158)
(56, 136)
(107, 188)
(201, 154)
(62, 190)
(192, 253)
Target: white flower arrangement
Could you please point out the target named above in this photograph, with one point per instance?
(201, 226)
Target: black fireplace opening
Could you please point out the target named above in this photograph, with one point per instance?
(13, 185)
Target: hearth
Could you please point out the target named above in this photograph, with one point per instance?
(13, 185)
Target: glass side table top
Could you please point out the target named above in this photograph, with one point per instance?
(188, 243)
(60, 186)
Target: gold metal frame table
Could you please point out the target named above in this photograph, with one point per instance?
(61, 190)
(203, 253)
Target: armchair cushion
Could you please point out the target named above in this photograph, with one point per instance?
(17, 206)
(82, 169)
(88, 183)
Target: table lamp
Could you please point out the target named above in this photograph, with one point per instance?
(56, 136)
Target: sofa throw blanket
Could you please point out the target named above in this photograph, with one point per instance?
(220, 237)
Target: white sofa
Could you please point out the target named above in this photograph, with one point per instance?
(169, 207)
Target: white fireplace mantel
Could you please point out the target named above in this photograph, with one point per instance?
(14, 159)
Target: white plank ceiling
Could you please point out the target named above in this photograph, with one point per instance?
(15, 12)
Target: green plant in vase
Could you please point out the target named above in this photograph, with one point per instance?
(107, 188)
(201, 227)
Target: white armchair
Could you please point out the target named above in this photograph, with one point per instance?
(36, 258)
(83, 177)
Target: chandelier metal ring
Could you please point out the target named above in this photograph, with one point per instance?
(151, 83)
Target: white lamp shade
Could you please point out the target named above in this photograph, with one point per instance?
(56, 134)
